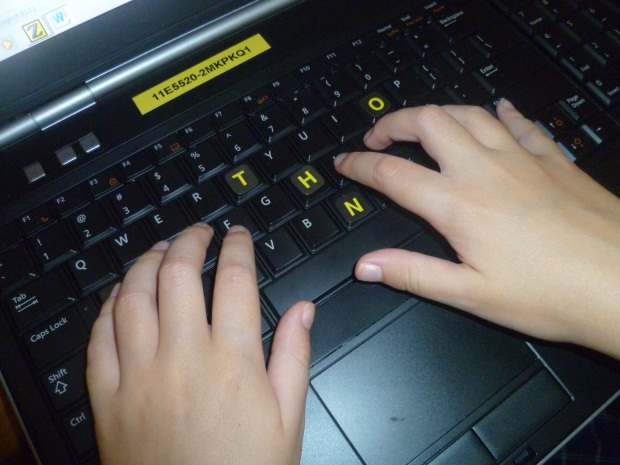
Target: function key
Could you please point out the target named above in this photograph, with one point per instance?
(198, 131)
(360, 46)
(103, 183)
(340, 56)
(70, 201)
(256, 100)
(284, 86)
(311, 72)
(134, 166)
(36, 219)
(166, 148)
(228, 115)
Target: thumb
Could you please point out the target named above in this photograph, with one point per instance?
(429, 277)
(289, 362)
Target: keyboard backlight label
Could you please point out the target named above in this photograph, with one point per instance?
(200, 74)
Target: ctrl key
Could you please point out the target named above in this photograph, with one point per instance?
(80, 428)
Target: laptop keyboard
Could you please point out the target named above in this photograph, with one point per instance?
(266, 162)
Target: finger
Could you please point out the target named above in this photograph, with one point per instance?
(289, 362)
(416, 188)
(236, 307)
(419, 274)
(182, 309)
(530, 136)
(483, 126)
(441, 136)
(135, 313)
(102, 369)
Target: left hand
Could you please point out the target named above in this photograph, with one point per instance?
(168, 388)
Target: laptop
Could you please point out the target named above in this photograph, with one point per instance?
(120, 124)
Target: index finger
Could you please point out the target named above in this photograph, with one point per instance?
(235, 319)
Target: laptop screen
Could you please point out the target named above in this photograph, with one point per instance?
(26, 23)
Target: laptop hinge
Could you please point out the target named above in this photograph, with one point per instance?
(86, 96)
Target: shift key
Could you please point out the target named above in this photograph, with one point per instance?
(334, 265)
(56, 337)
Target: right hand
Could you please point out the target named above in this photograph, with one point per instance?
(538, 239)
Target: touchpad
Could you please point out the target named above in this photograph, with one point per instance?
(401, 390)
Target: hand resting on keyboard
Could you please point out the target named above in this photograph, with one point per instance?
(539, 244)
(538, 239)
(167, 388)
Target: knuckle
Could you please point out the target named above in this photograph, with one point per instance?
(431, 114)
(386, 170)
(177, 268)
(237, 273)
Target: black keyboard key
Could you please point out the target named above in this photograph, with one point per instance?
(397, 56)
(271, 123)
(91, 270)
(103, 183)
(89, 310)
(469, 91)
(167, 182)
(580, 25)
(311, 72)
(344, 124)
(457, 23)
(16, 269)
(273, 207)
(283, 86)
(436, 72)
(309, 186)
(556, 41)
(66, 382)
(80, 428)
(277, 161)
(53, 339)
(168, 221)
(198, 131)
(280, 251)
(407, 88)
(601, 128)
(581, 63)
(237, 216)
(534, 18)
(604, 49)
(553, 120)
(311, 142)
(335, 264)
(369, 72)
(227, 116)
(464, 56)
(130, 202)
(41, 297)
(509, 68)
(603, 15)
(305, 105)
(606, 85)
(316, 228)
(129, 243)
(495, 38)
(53, 246)
(168, 147)
(374, 105)
(577, 105)
(203, 162)
(69, 201)
(257, 100)
(337, 89)
(576, 144)
(238, 142)
(91, 224)
(36, 219)
(426, 42)
(9, 236)
(206, 202)
(134, 166)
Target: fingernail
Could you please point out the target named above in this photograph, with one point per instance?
(237, 228)
(369, 272)
(202, 225)
(162, 245)
(115, 290)
(507, 104)
(307, 316)
(339, 159)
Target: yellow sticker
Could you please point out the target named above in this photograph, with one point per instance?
(201, 73)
